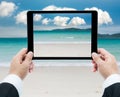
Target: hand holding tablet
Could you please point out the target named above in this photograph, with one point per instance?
(62, 34)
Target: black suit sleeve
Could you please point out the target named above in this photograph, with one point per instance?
(8, 90)
(112, 91)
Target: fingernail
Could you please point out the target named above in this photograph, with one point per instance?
(94, 54)
(30, 52)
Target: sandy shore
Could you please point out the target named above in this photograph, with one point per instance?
(61, 82)
(62, 49)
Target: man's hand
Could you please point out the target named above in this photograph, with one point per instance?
(22, 64)
(105, 63)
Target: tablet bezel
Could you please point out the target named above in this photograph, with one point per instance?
(93, 35)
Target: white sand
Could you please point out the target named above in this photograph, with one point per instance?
(61, 82)
(62, 49)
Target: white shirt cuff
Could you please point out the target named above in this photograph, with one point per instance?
(15, 81)
(112, 79)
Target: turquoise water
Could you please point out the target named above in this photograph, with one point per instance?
(10, 46)
(62, 36)
(112, 45)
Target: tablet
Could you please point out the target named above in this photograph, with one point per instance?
(62, 34)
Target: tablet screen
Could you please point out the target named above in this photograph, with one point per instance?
(62, 34)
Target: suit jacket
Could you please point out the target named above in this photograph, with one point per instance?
(8, 90)
(112, 91)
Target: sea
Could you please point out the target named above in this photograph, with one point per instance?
(10, 46)
(63, 35)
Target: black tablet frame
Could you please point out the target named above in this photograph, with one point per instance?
(93, 35)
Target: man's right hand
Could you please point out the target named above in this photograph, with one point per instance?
(105, 63)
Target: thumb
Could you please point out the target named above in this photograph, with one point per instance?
(97, 59)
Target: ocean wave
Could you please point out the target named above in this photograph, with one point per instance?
(39, 63)
(115, 36)
(82, 42)
(55, 63)
(5, 64)
(70, 37)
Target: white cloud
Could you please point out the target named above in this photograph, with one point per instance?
(46, 21)
(103, 16)
(53, 7)
(37, 17)
(61, 21)
(7, 8)
(21, 17)
(76, 21)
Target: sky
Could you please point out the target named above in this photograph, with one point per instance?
(61, 20)
(13, 13)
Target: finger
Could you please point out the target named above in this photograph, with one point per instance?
(96, 58)
(28, 58)
(21, 54)
(93, 61)
(31, 67)
(94, 69)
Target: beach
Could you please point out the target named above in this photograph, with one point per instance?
(57, 78)
(60, 81)
(62, 49)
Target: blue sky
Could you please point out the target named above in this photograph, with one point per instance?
(13, 24)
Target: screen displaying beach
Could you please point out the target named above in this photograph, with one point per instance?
(62, 35)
